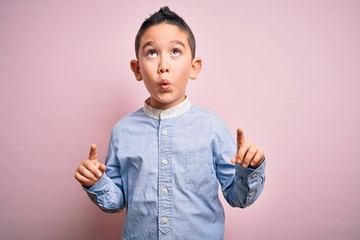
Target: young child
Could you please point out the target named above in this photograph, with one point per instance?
(165, 161)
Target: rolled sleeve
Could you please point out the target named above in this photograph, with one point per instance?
(105, 194)
(248, 185)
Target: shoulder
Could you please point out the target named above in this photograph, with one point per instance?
(207, 120)
(203, 114)
(129, 120)
(214, 127)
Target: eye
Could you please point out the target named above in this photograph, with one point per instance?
(176, 52)
(151, 53)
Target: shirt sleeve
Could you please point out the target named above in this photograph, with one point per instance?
(247, 185)
(240, 186)
(107, 193)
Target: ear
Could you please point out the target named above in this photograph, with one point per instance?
(196, 66)
(135, 67)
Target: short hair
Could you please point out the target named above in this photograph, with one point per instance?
(165, 15)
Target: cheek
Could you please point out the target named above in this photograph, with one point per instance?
(182, 67)
(148, 67)
(184, 71)
(146, 73)
(150, 87)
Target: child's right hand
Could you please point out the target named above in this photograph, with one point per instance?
(90, 170)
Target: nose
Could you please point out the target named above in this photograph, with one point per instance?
(163, 70)
(163, 67)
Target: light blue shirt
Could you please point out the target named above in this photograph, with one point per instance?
(165, 167)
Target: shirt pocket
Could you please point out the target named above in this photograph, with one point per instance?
(200, 174)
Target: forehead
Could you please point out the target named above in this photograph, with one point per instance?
(164, 33)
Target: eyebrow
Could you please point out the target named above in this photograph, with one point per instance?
(150, 43)
(178, 42)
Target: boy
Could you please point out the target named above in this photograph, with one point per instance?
(165, 160)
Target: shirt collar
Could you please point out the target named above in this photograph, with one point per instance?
(173, 112)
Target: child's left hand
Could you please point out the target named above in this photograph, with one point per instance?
(248, 154)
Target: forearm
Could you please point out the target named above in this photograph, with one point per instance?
(106, 195)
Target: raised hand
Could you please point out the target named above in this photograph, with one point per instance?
(248, 154)
(90, 170)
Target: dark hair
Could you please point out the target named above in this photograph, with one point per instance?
(165, 15)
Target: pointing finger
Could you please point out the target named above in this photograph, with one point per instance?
(93, 152)
(241, 153)
(240, 137)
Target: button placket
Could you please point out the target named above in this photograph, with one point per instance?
(165, 200)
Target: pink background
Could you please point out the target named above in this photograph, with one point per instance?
(286, 71)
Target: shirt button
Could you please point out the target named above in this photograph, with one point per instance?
(164, 220)
(251, 193)
(165, 161)
(164, 132)
(254, 175)
(164, 191)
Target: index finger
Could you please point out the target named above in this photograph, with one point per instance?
(93, 152)
(240, 137)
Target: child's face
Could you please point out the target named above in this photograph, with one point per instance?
(165, 64)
